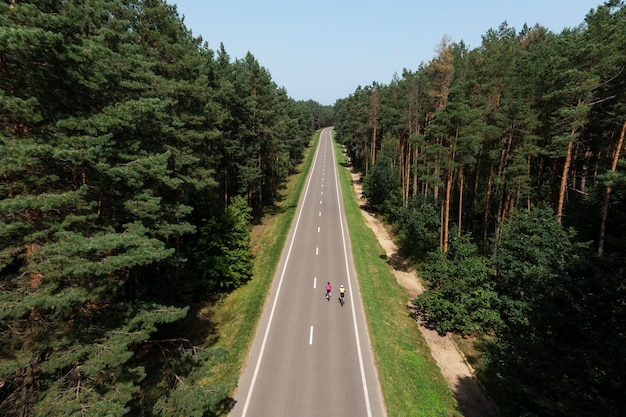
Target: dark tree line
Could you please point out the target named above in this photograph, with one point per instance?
(502, 169)
(133, 160)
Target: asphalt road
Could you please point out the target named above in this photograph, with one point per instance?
(312, 357)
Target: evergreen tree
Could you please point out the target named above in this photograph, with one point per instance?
(223, 251)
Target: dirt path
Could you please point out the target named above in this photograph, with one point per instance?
(457, 372)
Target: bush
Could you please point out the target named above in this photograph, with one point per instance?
(418, 226)
(461, 296)
(381, 183)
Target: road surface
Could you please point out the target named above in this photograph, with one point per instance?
(312, 357)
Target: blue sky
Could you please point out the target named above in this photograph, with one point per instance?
(324, 49)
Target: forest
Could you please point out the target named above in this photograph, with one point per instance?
(133, 161)
(502, 172)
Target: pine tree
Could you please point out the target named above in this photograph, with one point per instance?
(92, 173)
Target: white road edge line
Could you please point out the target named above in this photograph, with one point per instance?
(356, 329)
(311, 336)
(280, 283)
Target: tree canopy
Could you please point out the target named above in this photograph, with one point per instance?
(513, 153)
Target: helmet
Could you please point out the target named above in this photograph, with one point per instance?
(328, 282)
(341, 285)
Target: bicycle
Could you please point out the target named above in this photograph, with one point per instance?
(342, 293)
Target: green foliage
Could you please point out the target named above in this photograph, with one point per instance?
(567, 359)
(529, 258)
(182, 378)
(461, 296)
(417, 227)
(223, 249)
(351, 126)
(97, 376)
(381, 184)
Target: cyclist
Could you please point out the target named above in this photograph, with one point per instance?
(328, 288)
(342, 293)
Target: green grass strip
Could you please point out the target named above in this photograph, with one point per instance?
(412, 384)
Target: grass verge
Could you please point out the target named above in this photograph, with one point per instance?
(412, 384)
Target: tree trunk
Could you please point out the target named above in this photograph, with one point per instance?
(446, 223)
(441, 217)
(585, 170)
(404, 179)
(373, 123)
(407, 173)
(415, 155)
(506, 150)
(607, 195)
(566, 169)
(373, 145)
(461, 181)
(509, 204)
(487, 206)
(564, 175)
(448, 185)
(475, 187)
(436, 173)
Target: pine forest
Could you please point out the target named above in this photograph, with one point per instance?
(502, 171)
(135, 160)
